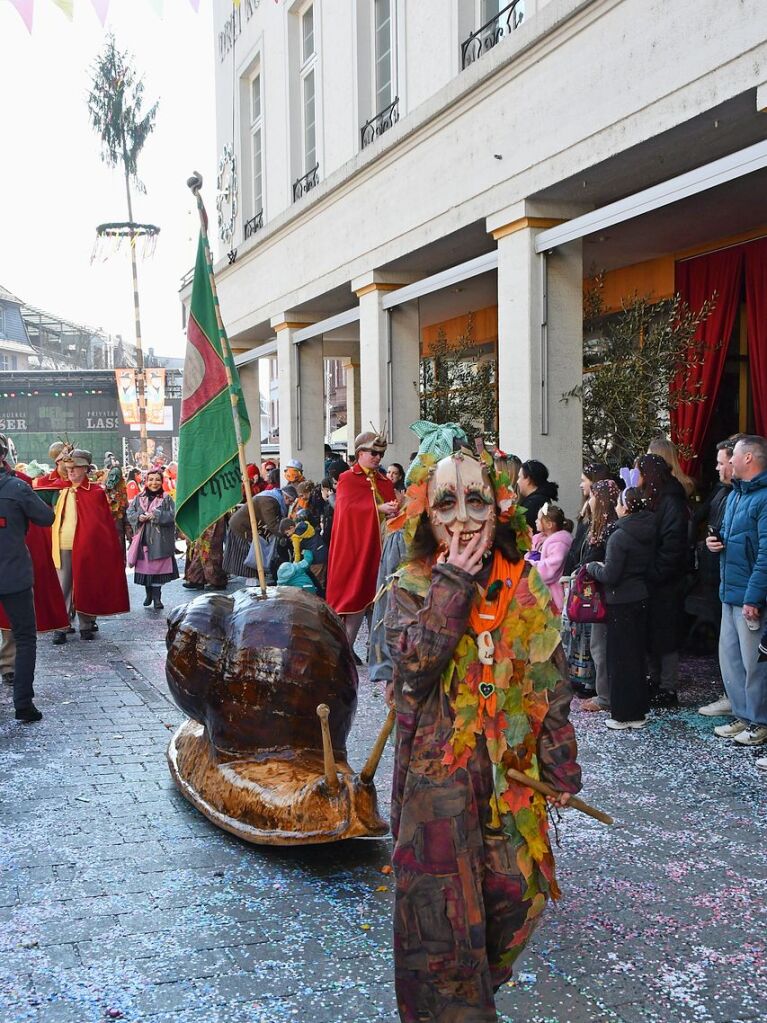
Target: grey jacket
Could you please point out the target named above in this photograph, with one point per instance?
(19, 505)
(160, 533)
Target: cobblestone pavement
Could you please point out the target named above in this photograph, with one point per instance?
(119, 901)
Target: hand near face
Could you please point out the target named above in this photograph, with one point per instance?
(470, 558)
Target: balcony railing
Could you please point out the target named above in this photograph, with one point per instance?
(305, 184)
(254, 224)
(380, 123)
(498, 28)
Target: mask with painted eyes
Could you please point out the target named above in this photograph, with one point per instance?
(461, 499)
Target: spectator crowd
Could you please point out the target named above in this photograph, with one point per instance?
(658, 565)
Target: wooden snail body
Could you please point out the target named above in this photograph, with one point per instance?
(255, 757)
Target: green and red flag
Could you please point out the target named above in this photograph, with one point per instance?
(209, 480)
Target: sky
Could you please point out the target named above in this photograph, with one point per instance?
(54, 188)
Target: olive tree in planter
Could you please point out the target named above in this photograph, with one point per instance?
(636, 372)
(458, 385)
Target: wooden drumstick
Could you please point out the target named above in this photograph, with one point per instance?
(547, 790)
(371, 766)
(331, 774)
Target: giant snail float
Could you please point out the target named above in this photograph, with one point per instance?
(270, 687)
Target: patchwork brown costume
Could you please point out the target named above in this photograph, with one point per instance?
(472, 858)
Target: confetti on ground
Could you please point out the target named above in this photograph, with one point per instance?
(119, 901)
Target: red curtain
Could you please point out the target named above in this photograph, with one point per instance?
(696, 281)
(756, 311)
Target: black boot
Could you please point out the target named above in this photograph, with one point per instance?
(28, 715)
(59, 638)
(158, 604)
(148, 598)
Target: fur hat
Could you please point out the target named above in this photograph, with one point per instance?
(370, 440)
(78, 456)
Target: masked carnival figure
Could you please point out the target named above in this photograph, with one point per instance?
(479, 689)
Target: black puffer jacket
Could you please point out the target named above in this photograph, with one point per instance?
(630, 550)
(534, 502)
(672, 553)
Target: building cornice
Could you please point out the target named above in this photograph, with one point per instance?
(510, 58)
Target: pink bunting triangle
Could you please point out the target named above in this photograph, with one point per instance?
(196, 5)
(26, 9)
(101, 7)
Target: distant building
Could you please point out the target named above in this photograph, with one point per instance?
(15, 348)
(31, 338)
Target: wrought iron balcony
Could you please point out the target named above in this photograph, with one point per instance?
(306, 183)
(380, 123)
(254, 224)
(498, 28)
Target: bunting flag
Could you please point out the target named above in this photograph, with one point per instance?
(26, 9)
(101, 7)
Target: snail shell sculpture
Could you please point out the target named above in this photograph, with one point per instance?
(258, 756)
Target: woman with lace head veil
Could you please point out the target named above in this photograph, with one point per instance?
(479, 689)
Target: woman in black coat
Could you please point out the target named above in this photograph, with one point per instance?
(629, 554)
(666, 498)
(535, 489)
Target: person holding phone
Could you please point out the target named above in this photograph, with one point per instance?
(708, 560)
(743, 591)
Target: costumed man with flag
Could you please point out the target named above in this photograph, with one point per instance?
(214, 422)
(365, 498)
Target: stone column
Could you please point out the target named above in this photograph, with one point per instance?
(301, 390)
(251, 392)
(538, 362)
(389, 360)
(353, 412)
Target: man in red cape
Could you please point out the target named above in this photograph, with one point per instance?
(86, 550)
(50, 485)
(50, 609)
(364, 498)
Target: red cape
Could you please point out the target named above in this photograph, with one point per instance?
(98, 568)
(50, 609)
(355, 543)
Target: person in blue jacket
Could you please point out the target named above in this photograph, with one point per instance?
(743, 591)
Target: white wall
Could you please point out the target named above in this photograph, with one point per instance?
(576, 91)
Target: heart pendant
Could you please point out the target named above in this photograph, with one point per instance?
(486, 689)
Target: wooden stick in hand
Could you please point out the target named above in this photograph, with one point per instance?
(547, 790)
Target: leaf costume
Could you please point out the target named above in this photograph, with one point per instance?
(472, 856)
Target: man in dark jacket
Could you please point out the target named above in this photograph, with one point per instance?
(743, 590)
(19, 506)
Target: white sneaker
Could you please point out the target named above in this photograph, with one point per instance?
(753, 736)
(730, 731)
(618, 726)
(718, 708)
(761, 763)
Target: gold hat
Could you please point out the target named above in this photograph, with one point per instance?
(59, 450)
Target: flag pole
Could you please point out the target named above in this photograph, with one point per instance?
(195, 184)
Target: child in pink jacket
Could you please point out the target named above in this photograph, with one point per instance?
(551, 545)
